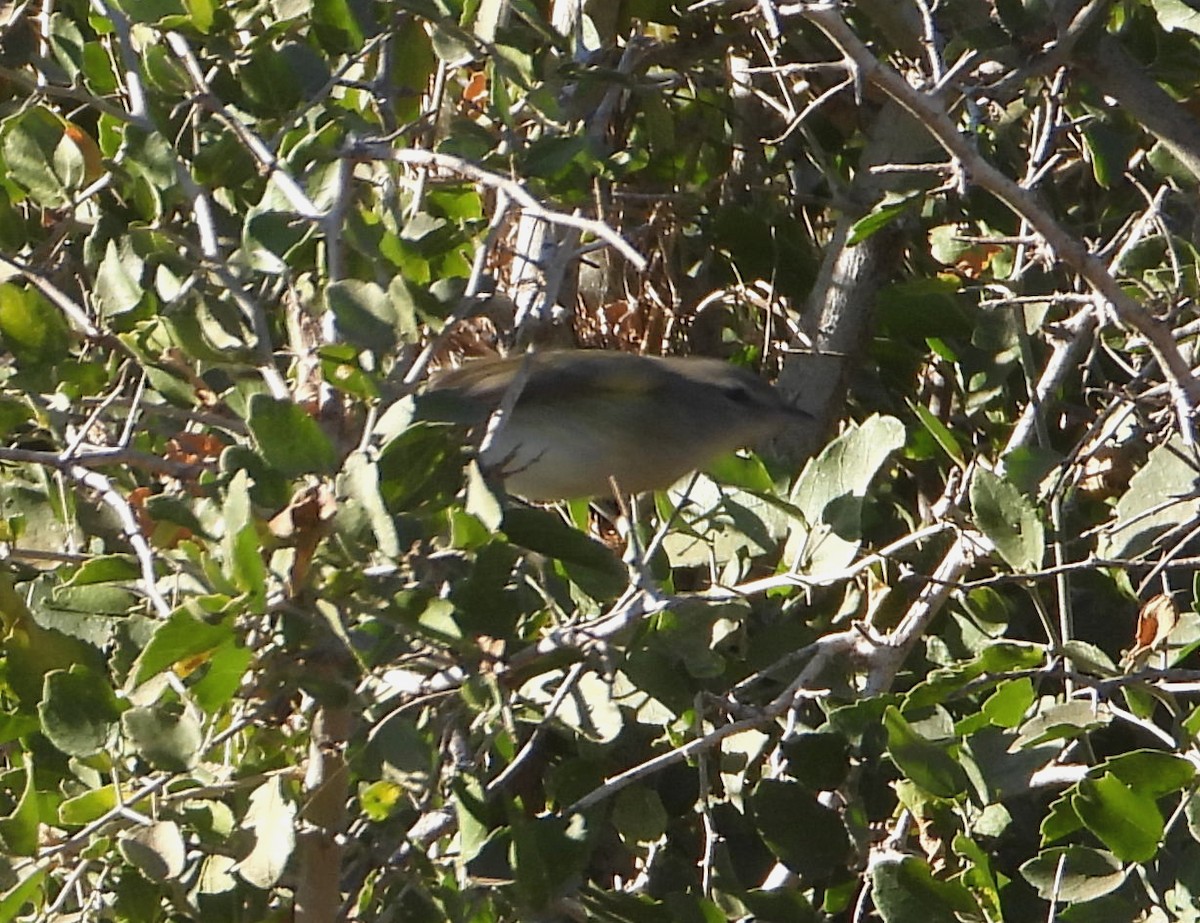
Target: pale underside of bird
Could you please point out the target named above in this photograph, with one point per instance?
(579, 423)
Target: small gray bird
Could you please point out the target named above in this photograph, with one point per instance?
(581, 419)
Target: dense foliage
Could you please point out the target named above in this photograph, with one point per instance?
(274, 649)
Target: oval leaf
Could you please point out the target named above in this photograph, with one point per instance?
(1007, 517)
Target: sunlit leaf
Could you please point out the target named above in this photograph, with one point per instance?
(272, 819)
(1008, 519)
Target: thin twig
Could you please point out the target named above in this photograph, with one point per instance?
(129, 525)
(515, 191)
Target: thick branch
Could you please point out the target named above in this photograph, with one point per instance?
(841, 304)
(104, 458)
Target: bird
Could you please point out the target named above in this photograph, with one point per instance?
(580, 422)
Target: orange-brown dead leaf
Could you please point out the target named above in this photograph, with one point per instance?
(1156, 620)
(302, 523)
(160, 534)
(974, 262)
(476, 88)
(93, 160)
(194, 448)
(189, 665)
(137, 502)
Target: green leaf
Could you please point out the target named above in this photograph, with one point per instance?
(340, 367)
(180, 637)
(1109, 149)
(19, 828)
(272, 817)
(336, 27)
(85, 808)
(548, 853)
(32, 329)
(106, 568)
(209, 332)
(639, 815)
(1004, 656)
(1006, 517)
(941, 434)
(771, 905)
(32, 651)
(744, 471)
(118, 288)
(152, 161)
(243, 553)
(470, 808)
(1064, 720)
(589, 561)
(905, 891)
(880, 217)
(947, 244)
(978, 875)
(930, 765)
(592, 711)
(437, 619)
(201, 14)
(721, 523)
(156, 850)
(1160, 495)
(40, 157)
(1006, 707)
(482, 501)
(997, 658)
(809, 838)
(98, 599)
(164, 508)
(15, 725)
(168, 735)
(1151, 773)
(16, 900)
(421, 468)
(1061, 821)
(366, 315)
(830, 493)
(1177, 14)
(268, 488)
(79, 711)
(381, 800)
(289, 439)
(1089, 658)
(1073, 874)
(360, 480)
(818, 759)
(399, 750)
(271, 236)
(14, 415)
(270, 84)
(1165, 161)
(223, 676)
(927, 310)
(550, 156)
(1127, 822)
(151, 11)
